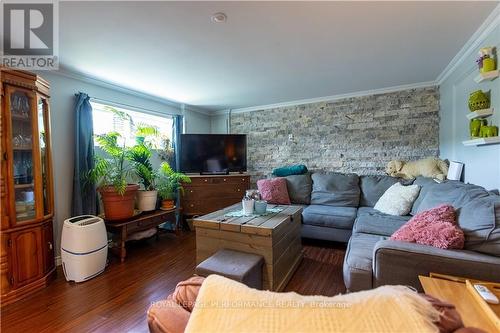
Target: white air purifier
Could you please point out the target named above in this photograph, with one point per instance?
(84, 247)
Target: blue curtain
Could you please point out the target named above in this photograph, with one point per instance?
(177, 129)
(176, 140)
(84, 193)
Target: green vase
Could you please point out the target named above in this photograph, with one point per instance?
(478, 101)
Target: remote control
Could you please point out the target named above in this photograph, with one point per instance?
(486, 294)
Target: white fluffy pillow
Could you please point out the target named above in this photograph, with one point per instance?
(398, 199)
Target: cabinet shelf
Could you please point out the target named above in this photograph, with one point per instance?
(16, 186)
(482, 141)
(20, 117)
(480, 113)
(488, 76)
(22, 148)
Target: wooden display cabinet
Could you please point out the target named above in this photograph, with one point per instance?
(27, 203)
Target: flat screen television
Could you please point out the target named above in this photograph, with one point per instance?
(213, 153)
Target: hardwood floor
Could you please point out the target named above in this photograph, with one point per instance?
(116, 301)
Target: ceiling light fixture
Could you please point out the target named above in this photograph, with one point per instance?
(219, 18)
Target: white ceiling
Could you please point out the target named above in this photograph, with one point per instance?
(266, 52)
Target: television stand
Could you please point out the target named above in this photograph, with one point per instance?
(208, 193)
(214, 173)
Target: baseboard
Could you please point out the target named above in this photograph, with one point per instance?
(58, 261)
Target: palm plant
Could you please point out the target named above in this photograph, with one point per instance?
(112, 170)
(170, 182)
(143, 131)
(140, 156)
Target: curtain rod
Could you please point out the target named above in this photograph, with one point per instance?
(131, 107)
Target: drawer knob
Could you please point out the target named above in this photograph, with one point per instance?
(224, 179)
(239, 190)
(206, 180)
(191, 205)
(190, 191)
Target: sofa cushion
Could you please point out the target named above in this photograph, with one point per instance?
(372, 188)
(371, 221)
(358, 261)
(471, 193)
(335, 189)
(274, 190)
(480, 221)
(425, 185)
(298, 169)
(329, 216)
(299, 188)
(451, 192)
(434, 227)
(398, 199)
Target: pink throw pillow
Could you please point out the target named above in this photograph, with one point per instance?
(274, 190)
(435, 227)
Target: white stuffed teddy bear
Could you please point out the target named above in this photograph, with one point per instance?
(429, 167)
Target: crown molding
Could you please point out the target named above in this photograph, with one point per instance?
(472, 45)
(198, 110)
(64, 72)
(330, 98)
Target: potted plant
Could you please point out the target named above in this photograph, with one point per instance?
(111, 174)
(140, 156)
(169, 184)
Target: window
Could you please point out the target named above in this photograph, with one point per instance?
(107, 118)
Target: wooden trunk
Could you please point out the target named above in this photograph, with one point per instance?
(275, 237)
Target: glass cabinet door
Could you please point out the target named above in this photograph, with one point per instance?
(20, 104)
(44, 147)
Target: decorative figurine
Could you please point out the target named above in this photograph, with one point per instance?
(478, 100)
(486, 61)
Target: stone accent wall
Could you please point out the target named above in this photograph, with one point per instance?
(358, 134)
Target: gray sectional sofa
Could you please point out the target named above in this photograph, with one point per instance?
(339, 207)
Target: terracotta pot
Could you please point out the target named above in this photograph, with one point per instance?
(146, 200)
(167, 204)
(116, 206)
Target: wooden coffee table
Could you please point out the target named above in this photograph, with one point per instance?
(276, 237)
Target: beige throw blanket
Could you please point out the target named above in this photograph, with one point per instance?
(224, 305)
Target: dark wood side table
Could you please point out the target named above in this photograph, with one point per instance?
(141, 222)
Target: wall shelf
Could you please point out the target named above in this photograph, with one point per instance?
(482, 141)
(488, 76)
(480, 113)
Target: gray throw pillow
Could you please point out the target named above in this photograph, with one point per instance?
(299, 188)
(372, 188)
(480, 221)
(335, 189)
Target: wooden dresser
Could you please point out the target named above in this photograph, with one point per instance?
(27, 201)
(207, 194)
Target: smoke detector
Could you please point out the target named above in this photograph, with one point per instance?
(219, 18)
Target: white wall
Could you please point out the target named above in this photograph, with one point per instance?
(196, 122)
(219, 124)
(482, 163)
(63, 89)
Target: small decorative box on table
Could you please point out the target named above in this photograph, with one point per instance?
(275, 236)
